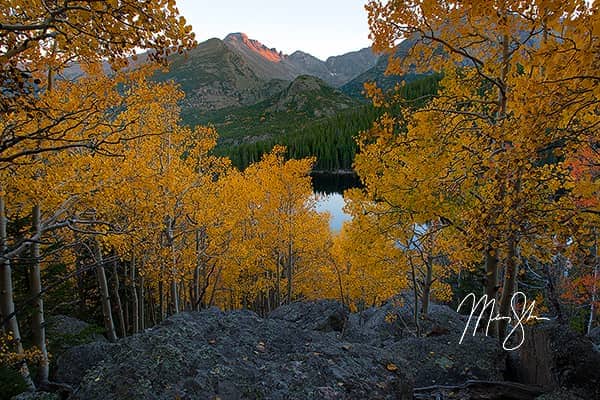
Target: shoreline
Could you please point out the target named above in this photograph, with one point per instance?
(333, 172)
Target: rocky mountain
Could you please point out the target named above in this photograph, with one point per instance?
(312, 96)
(215, 76)
(239, 71)
(266, 63)
(311, 65)
(304, 100)
(348, 66)
(376, 73)
(337, 70)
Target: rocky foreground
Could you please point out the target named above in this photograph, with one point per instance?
(319, 350)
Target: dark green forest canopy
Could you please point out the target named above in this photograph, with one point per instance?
(330, 139)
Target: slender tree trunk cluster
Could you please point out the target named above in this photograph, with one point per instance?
(509, 269)
(109, 324)
(7, 305)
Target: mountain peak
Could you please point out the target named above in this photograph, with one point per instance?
(306, 83)
(241, 36)
(241, 40)
(301, 55)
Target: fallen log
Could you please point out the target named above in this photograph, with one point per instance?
(479, 390)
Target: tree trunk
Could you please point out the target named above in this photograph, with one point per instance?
(168, 305)
(38, 330)
(134, 299)
(491, 283)
(104, 296)
(594, 252)
(122, 326)
(125, 300)
(161, 297)
(7, 305)
(196, 288)
(142, 311)
(171, 243)
(416, 297)
(510, 276)
(153, 312)
(278, 280)
(552, 274)
(426, 295)
(340, 284)
(174, 296)
(183, 296)
(214, 289)
(290, 272)
(82, 309)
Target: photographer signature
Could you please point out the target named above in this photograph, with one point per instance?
(517, 317)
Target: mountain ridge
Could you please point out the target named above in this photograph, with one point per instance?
(238, 71)
(305, 99)
(336, 70)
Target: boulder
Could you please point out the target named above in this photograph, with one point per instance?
(321, 315)
(72, 365)
(67, 335)
(62, 325)
(440, 360)
(309, 350)
(594, 336)
(64, 332)
(394, 320)
(434, 355)
(238, 355)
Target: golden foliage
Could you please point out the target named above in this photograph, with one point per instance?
(504, 157)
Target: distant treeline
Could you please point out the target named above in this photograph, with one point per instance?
(331, 141)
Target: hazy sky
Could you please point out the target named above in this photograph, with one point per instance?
(322, 28)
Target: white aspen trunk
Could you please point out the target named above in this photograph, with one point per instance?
(161, 295)
(197, 271)
(134, 299)
(426, 295)
(491, 284)
(171, 243)
(35, 289)
(109, 324)
(196, 289)
(290, 271)
(590, 324)
(119, 304)
(7, 305)
(214, 288)
(510, 275)
(278, 280)
(175, 296)
(594, 288)
(415, 295)
(142, 305)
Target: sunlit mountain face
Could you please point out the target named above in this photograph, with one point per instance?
(241, 39)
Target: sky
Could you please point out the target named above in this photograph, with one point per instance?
(322, 28)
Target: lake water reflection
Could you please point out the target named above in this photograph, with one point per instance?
(329, 189)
